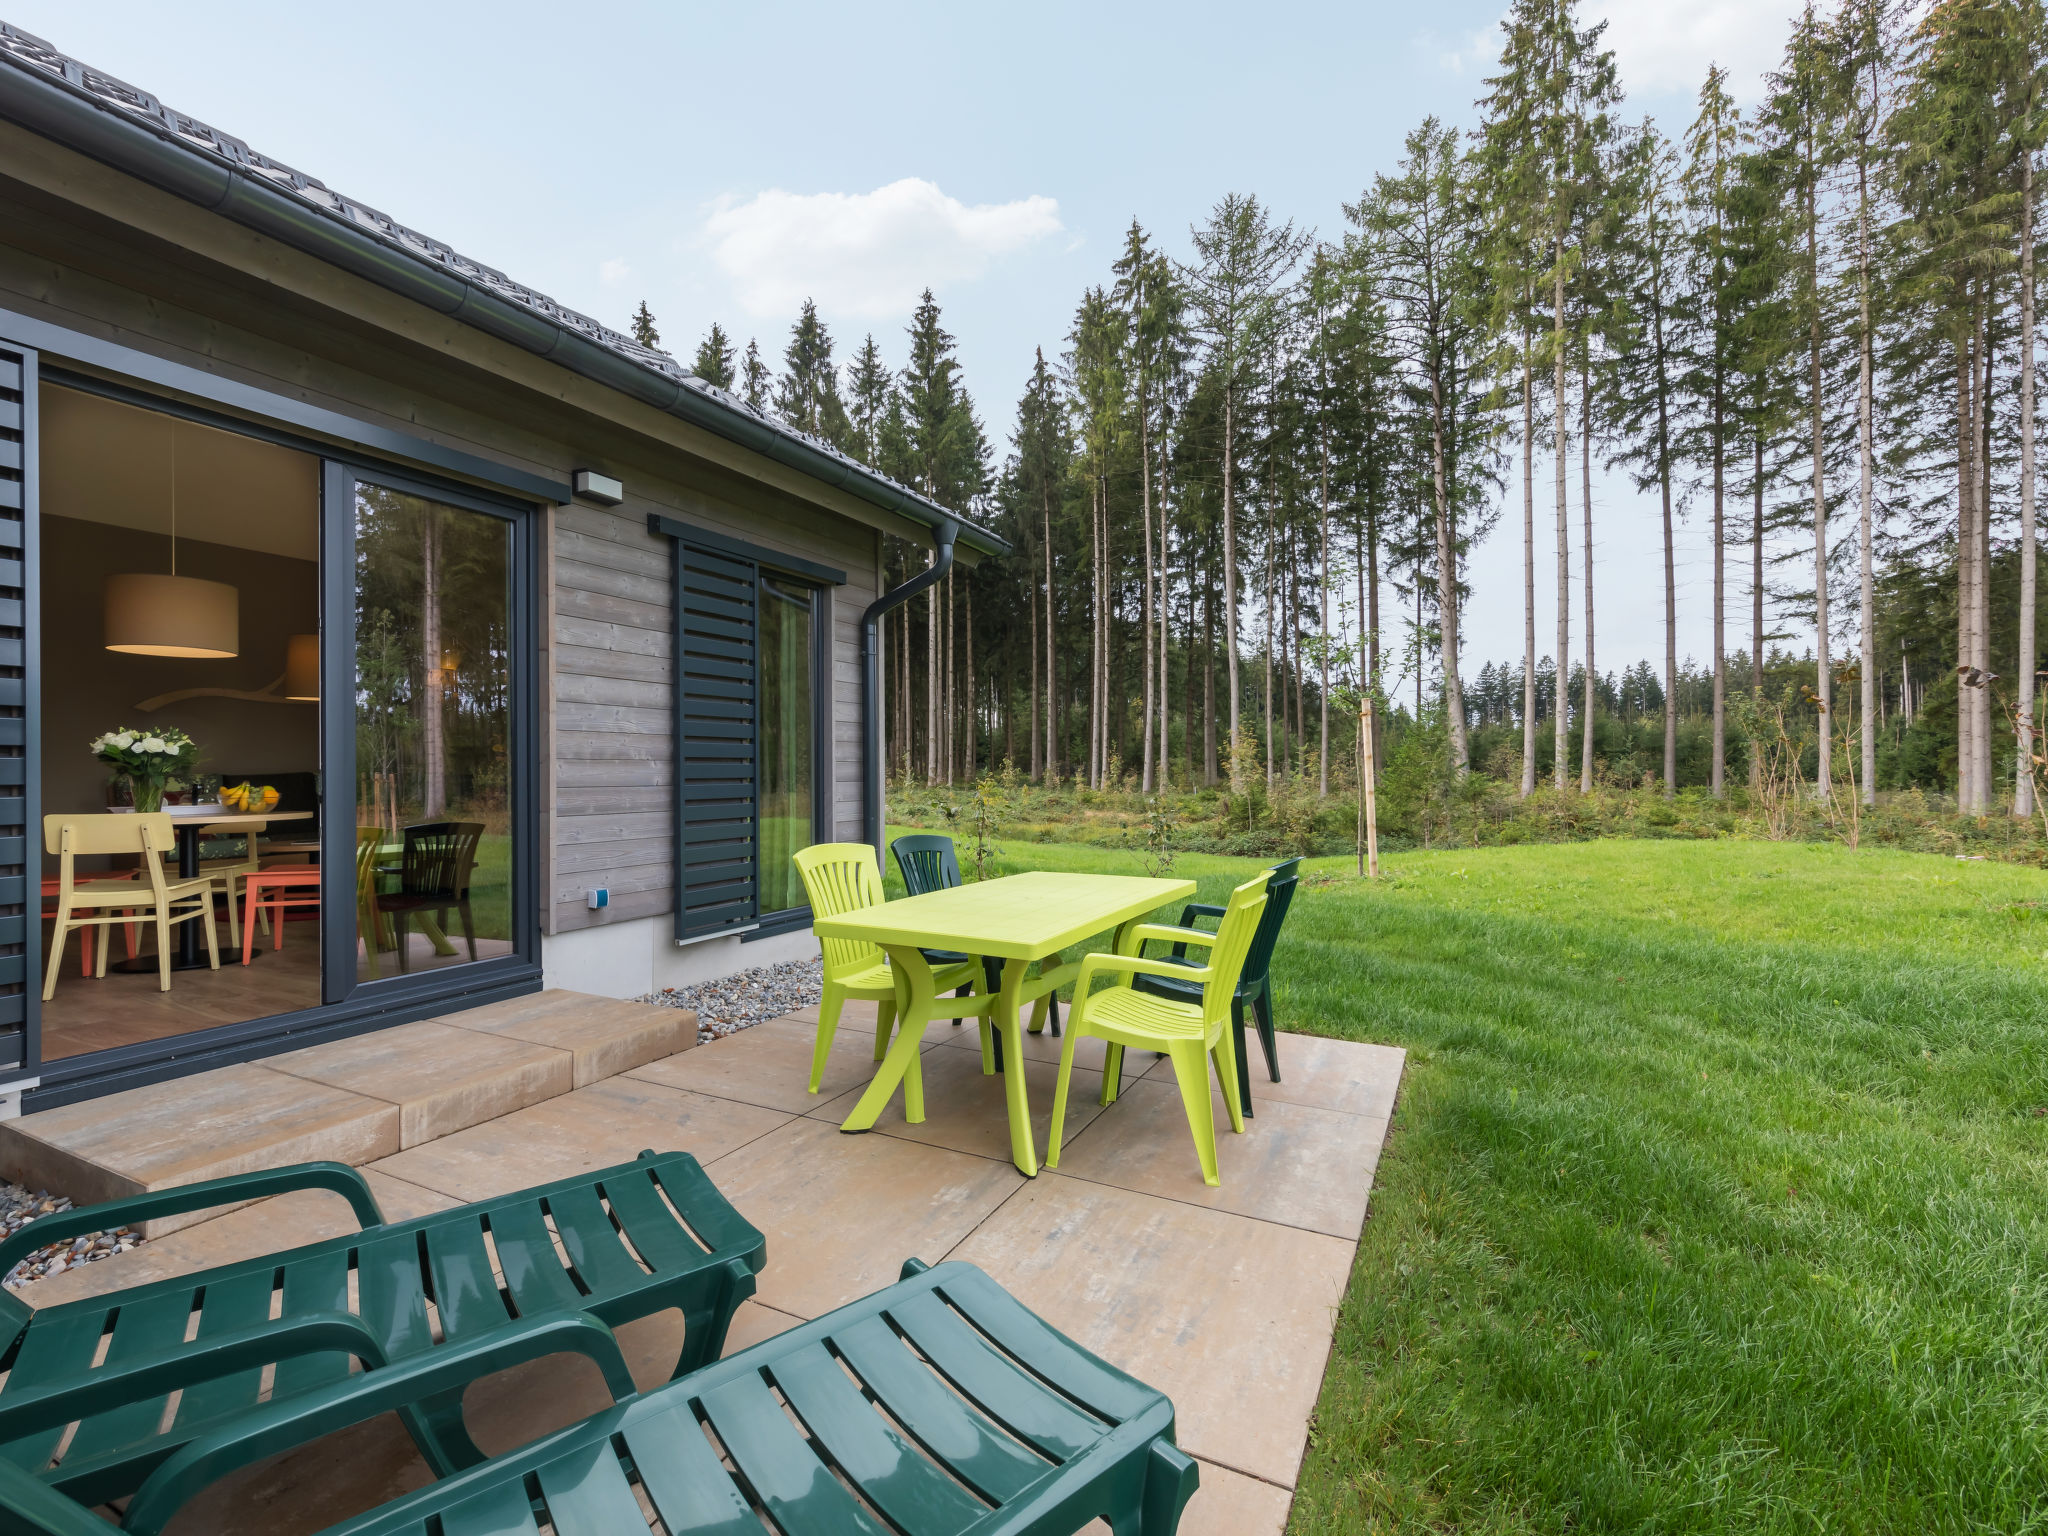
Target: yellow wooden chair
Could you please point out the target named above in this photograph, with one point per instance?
(153, 898)
(844, 877)
(1190, 1034)
(227, 875)
(369, 921)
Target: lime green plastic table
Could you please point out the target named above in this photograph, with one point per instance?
(1020, 918)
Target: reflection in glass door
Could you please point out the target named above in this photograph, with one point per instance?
(433, 691)
(787, 652)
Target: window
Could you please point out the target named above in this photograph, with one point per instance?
(750, 725)
(788, 767)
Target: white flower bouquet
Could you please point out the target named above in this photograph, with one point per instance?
(148, 760)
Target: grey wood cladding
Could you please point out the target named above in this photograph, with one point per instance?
(614, 777)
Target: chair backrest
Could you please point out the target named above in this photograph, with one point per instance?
(1234, 936)
(928, 862)
(1281, 880)
(840, 878)
(438, 858)
(71, 837)
(369, 844)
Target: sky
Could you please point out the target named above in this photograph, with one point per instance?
(726, 162)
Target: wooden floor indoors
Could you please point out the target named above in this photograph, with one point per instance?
(98, 1013)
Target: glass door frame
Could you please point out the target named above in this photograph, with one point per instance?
(781, 919)
(340, 981)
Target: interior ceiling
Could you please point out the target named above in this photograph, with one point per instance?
(105, 462)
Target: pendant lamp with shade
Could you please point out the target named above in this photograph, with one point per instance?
(151, 614)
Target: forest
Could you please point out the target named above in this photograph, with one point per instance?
(1243, 489)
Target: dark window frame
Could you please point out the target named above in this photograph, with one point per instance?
(821, 579)
(350, 449)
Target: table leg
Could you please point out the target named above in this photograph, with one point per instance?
(188, 869)
(1009, 1026)
(900, 1064)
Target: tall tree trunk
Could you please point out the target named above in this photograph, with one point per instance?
(1586, 496)
(1323, 628)
(1866, 453)
(1036, 741)
(931, 679)
(1230, 570)
(433, 717)
(1271, 592)
(1967, 801)
(1447, 581)
(1209, 768)
(1980, 697)
(1823, 678)
(1052, 708)
(1756, 628)
(1528, 566)
(1145, 504)
(970, 717)
(1562, 729)
(1670, 564)
(2024, 685)
(1165, 593)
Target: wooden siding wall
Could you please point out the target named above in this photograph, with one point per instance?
(606, 704)
(612, 704)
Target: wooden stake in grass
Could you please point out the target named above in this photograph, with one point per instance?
(1368, 810)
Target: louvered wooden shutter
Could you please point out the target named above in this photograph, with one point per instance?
(716, 776)
(19, 858)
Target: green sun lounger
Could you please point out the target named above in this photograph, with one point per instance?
(624, 1243)
(936, 1407)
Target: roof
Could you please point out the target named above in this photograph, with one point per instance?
(62, 98)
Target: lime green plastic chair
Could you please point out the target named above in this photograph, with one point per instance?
(840, 878)
(1191, 1035)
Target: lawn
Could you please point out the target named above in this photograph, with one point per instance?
(1716, 1200)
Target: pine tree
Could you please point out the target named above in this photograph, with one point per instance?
(755, 379)
(1419, 225)
(807, 395)
(870, 386)
(643, 327)
(1237, 291)
(713, 363)
(1645, 373)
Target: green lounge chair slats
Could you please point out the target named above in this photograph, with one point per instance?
(879, 1419)
(473, 1269)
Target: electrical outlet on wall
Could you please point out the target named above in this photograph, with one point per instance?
(599, 899)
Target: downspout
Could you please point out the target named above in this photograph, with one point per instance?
(871, 680)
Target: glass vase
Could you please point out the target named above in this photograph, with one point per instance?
(149, 795)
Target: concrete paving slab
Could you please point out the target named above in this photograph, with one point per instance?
(608, 1122)
(1294, 1165)
(1230, 1504)
(769, 1065)
(230, 1120)
(842, 1213)
(442, 1079)
(603, 1037)
(967, 1111)
(1228, 1316)
(1349, 1075)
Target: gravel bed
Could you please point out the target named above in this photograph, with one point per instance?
(19, 1207)
(732, 1003)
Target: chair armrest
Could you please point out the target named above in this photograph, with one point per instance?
(1195, 909)
(176, 1201)
(184, 1365)
(1180, 938)
(1092, 965)
(306, 1416)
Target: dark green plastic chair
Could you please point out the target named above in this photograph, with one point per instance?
(1254, 985)
(947, 1407)
(929, 863)
(398, 1268)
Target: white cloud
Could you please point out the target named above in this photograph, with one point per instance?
(863, 255)
(1663, 45)
(613, 272)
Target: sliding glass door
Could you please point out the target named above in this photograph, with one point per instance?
(436, 861)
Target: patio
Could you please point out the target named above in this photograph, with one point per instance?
(1224, 1298)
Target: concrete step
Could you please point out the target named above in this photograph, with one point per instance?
(353, 1101)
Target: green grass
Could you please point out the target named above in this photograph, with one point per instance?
(1716, 1199)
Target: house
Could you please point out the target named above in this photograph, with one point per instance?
(550, 652)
